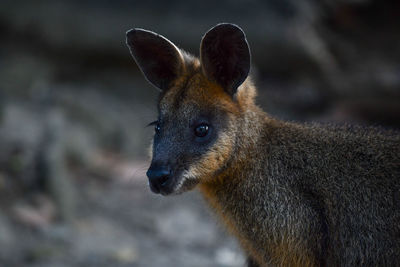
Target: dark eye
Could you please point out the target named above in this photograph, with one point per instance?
(157, 128)
(156, 124)
(201, 130)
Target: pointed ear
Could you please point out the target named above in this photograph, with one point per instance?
(158, 58)
(225, 56)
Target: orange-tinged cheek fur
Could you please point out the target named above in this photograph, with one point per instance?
(213, 160)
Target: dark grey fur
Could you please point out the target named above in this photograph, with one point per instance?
(336, 190)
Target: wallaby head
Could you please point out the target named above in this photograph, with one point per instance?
(200, 107)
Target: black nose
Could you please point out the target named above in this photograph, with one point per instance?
(158, 178)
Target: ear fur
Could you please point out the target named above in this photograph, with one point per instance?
(225, 56)
(159, 59)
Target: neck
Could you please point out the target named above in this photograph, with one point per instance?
(226, 191)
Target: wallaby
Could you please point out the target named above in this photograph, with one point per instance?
(293, 194)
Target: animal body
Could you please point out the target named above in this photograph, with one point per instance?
(293, 194)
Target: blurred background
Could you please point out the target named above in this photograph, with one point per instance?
(74, 106)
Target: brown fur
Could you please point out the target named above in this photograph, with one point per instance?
(293, 194)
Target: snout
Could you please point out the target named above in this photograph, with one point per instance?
(160, 179)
